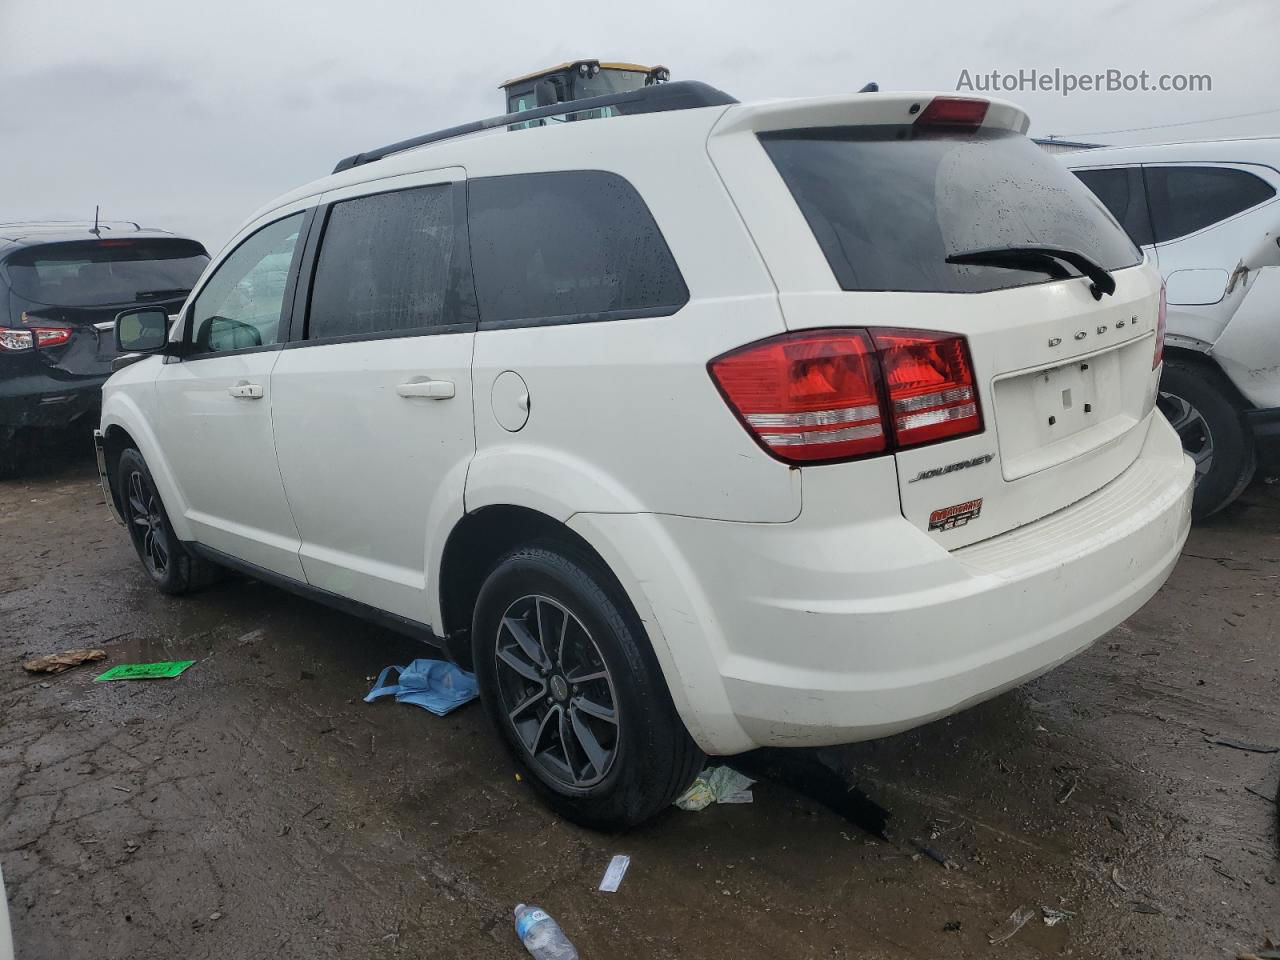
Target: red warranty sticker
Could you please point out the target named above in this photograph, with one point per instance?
(948, 518)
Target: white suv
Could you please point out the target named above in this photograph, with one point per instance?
(1207, 214)
(695, 429)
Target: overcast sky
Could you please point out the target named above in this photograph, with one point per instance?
(190, 115)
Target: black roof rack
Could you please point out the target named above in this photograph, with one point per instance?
(68, 224)
(681, 95)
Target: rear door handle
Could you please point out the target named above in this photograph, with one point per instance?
(246, 391)
(426, 387)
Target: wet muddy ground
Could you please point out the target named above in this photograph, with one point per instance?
(256, 807)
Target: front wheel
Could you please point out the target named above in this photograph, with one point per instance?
(1198, 403)
(568, 678)
(171, 567)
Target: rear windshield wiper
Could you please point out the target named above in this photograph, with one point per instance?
(154, 294)
(1032, 254)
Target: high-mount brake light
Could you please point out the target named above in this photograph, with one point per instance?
(1161, 319)
(824, 396)
(956, 112)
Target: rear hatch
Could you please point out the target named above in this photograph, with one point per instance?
(857, 204)
(76, 288)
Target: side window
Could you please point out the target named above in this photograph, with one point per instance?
(390, 263)
(519, 101)
(1186, 199)
(1120, 190)
(241, 304)
(578, 245)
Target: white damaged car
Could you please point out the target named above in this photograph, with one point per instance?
(1206, 213)
(698, 428)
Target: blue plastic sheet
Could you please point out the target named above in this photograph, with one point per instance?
(434, 685)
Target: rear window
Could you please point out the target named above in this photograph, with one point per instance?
(570, 246)
(99, 272)
(888, 205)
(1121, 191)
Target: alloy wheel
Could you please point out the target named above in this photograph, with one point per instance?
(146, 525)
(1192, 429)
(556, 692)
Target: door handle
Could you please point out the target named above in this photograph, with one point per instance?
(426, 387)
(246, 391)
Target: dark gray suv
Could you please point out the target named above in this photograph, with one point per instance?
(61, 285)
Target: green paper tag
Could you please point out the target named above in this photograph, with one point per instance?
(145, 671)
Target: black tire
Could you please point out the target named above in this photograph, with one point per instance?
(644, 758)
(171, 567)
(1202, 407)
(13, 450)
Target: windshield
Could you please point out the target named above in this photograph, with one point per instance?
(608, 81)
(100, 272)
(888, 205)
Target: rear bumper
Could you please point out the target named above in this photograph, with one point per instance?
(35, 399)
(1265, 426)
(830, 630)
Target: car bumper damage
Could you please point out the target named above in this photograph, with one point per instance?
(42, 402)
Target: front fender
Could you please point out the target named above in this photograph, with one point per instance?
(120, 409)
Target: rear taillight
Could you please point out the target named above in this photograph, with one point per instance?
(807, 397)
(51, 336)
(820, 396)
(953, 112)
(14, 340)
(1161, 316)
(929, 382)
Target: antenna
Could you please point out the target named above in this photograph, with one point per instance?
(871, 87)
(95, 231)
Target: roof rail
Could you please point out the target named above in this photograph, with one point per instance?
(681, 95)
(68, 224)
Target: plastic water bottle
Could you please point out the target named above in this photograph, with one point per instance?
(541, 935)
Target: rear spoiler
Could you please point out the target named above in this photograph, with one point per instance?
(863, 109)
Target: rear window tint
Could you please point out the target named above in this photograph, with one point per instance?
(577, 245)
(888, 205)
(1187, 199)
(87, 273)
(391, 263)
(1120, 190)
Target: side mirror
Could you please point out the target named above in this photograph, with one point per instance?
(144, 330)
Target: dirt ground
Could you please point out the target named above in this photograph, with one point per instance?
(256, 807)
